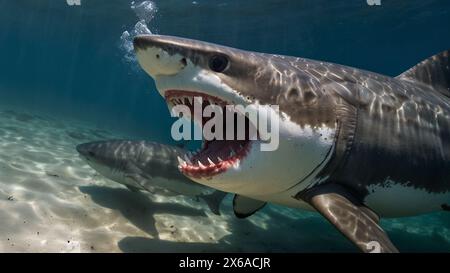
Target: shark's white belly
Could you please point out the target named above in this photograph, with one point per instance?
(396, 200)
(285, 198)
(392, 201)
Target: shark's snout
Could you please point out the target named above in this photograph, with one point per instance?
(142, 42)
(82, 149)
(154, 55)
(85, 150)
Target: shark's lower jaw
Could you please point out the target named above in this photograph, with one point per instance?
(215, 156)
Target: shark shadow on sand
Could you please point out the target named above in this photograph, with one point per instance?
(135, 206)
(253, 236)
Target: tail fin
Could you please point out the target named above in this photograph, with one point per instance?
(434, 71)
(214, 200)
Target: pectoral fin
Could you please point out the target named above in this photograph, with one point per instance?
(136, 180)
(357, 222)
(214, 200)
(244, 206)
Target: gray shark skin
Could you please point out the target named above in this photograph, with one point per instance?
(148, 166)
(354, 145)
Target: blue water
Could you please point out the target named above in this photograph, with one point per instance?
(69, 61)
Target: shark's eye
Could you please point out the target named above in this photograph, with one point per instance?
(218, 63)
(91, 153)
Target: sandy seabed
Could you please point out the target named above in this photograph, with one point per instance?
(51, 201)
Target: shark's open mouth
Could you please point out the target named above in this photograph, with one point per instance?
(216, 155)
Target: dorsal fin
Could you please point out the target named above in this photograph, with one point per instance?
(434, 71)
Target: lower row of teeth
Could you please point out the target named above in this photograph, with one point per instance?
(186, 161)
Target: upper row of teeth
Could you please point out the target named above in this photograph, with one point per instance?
(182, 100)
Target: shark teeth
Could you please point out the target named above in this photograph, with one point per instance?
(197, 159)
(236, 164)
(181, 162)
(181, 100)
(210, 161)
(186, 158)
(201, 165)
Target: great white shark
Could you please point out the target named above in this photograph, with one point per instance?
(353, 145)
(147, 166)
